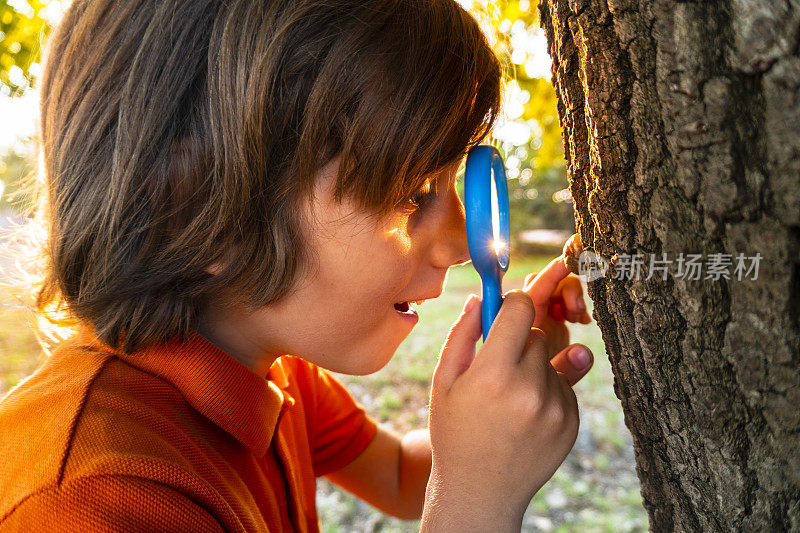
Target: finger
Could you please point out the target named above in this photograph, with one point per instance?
(535, 361)
(544, 285)
(459, 347)
(571, 292)
(574, 362)
(568, 393)
(564, 380)
(509, 332)
(535, 335)
(557, 383)
(556, 310)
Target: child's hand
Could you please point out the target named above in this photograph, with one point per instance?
(557, 296)
(501, 421)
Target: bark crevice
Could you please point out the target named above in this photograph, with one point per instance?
(678, 141)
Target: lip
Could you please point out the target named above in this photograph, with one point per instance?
(410, 316)
(417, 299)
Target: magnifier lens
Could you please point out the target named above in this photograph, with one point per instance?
(499, 245)
(488, 245)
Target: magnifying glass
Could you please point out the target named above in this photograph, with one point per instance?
(488, 225)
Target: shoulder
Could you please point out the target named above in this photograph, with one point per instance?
(110, 502)
(38, 416)
(87, 414)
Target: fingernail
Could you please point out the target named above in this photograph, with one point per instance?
(580, 357)
(471, 301)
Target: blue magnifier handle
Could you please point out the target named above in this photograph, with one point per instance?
(488, 225)
(492, 293)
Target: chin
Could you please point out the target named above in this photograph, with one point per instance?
(372, 364)
(365, 362)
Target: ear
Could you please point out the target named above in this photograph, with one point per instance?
(216, 267)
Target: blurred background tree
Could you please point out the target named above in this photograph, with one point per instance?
(528, 134)
(24, 26)
(596, 489)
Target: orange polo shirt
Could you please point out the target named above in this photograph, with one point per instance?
(177, 437)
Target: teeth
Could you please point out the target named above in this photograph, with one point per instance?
(418, 302)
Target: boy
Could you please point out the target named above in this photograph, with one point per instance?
(242, 196)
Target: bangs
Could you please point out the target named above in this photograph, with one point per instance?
(425, 86)
(206, 124)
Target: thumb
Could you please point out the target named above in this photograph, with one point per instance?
(459, 347)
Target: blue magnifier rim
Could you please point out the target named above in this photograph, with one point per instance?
(481, 160)
(491, 266)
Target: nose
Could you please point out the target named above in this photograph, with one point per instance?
(450, 247)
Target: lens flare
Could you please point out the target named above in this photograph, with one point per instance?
(499, 245)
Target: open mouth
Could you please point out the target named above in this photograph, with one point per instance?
(404, 307)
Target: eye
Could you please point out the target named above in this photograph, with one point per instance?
(424, 197)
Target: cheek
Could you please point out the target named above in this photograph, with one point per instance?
(360, 272)
(391, 271)
(369, 289)
(344, 319)
(368, 273)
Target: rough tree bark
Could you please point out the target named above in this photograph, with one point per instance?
(681, 129)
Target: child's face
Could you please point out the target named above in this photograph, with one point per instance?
(342, 315)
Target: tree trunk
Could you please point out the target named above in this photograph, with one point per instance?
(681, 125)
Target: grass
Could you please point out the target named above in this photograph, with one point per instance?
(596, 489)
(20, 353)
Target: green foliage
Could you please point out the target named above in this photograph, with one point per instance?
(21, 353)
(542, 108)
(23, 29)
(529, 134)
(14, 167)
(596, 489)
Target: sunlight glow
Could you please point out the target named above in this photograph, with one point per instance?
(22, 7)
(495, 211)
(499, 245)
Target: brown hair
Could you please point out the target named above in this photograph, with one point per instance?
(174, 131)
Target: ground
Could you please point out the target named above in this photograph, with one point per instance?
(596, 489)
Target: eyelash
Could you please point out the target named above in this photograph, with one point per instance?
(423, 198)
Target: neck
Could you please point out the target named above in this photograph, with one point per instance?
(234, 337)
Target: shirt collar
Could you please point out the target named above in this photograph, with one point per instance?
(242, 403)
